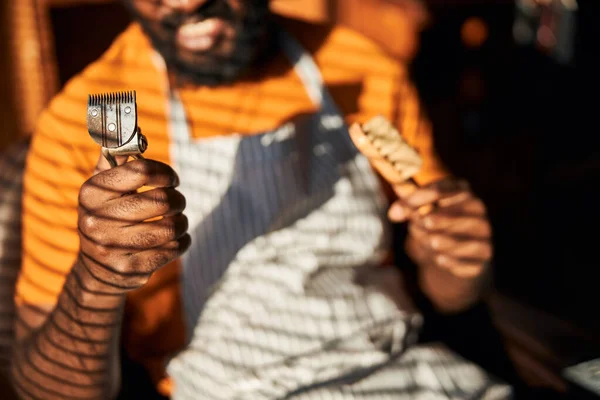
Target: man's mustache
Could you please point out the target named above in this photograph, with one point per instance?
(211, 9)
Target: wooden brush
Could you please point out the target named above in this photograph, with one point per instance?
(390, 154)
(395, 159)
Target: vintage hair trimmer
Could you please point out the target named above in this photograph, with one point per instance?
(112, 123)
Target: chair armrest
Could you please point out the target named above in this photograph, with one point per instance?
(541, 345)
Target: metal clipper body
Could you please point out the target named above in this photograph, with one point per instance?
(112, 123)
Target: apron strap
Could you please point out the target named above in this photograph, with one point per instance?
(308, 72)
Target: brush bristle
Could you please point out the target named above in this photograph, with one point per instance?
(392, 146)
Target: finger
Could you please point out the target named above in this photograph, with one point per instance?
(463, 226)
(114, 182)
(147, 235)
(461, 267)
(460, 248)
(420, 235)
(138, 207)
(405, 189)
(151, 260)
(464, 245)
(430, 194)
(417, 251)
(398, 212)
(463, 204)
(470, 263)
(103, 164)
(422, 197)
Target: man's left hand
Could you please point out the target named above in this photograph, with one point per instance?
(448, 227)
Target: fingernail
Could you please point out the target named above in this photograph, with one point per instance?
(397, 213)
(428, 222)
(442, 260)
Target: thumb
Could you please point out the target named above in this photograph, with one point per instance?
(398, 212)
(405, 189)
(103, 164)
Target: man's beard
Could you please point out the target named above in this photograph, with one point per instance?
(209, 68)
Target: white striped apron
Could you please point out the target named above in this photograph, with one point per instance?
(279, 223)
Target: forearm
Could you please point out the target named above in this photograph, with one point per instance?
(74, 353)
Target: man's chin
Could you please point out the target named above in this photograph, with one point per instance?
(206, 71)
(195, 60)
(214, 55)
(218, 66)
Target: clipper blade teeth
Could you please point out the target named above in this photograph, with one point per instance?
(112, 97)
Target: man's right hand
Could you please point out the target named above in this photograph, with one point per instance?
(124, 235)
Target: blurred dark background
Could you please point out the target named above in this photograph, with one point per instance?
(526, 138)
(515, 117)
(519, 122)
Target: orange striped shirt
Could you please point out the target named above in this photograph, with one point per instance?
(362, 79)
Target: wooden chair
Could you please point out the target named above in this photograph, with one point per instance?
(12, 163)
(45, 42)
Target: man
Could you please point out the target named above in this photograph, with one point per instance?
(253, 292)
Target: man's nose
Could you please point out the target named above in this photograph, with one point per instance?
(185, 5)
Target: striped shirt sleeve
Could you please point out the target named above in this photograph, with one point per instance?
(60, 159)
